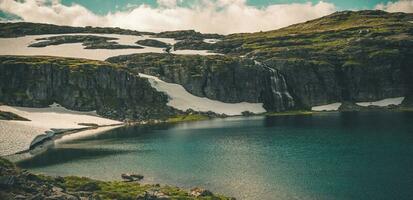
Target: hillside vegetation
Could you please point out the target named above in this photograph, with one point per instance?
(345, 56)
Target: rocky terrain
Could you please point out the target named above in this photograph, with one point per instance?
(153, 43)
(187, 35)
(350, 56)
(16, 183)
(19, 29)
(346, 56)
(11, 116)
(224, 78)
(193, 45)
(79, 84)
(88, 41)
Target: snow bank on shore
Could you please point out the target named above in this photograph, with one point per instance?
(328, 107)
(383, 102)
(183, 100)
(16, 136)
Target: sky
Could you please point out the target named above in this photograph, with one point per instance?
(208, 16)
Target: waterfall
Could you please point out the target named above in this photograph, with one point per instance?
(280, 97)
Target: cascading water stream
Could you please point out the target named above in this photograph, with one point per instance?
(282, 100)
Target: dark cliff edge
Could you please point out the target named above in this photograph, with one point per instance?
(348, 56)
(223, 78)
(80, 84)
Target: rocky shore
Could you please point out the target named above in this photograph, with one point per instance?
(16, 183)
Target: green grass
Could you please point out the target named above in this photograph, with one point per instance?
(72, 63)
(187, 118)
(287, 113)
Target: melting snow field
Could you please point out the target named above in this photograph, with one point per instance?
(183, 100)
(328, 107)
(383, 102)
(17, 135)
(19, 46)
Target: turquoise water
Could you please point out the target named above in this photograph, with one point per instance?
(328, 156)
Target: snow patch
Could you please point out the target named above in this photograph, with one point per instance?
(17, 136)
(19, 46)
(183, 100)
(211, 41)
(383, 102)
(328, 107)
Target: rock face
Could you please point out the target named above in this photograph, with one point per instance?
(79, 84)
(344, 57)
(222, 78)
(316, 83)
(193, 45)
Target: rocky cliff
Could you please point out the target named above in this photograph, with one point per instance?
(79, 84)
(343, 57)
(347, 56)
(224, 78)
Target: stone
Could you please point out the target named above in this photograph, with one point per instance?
(131, 177)
(90, 186)
(153, 195)
(7, 181)
(200, 192)
(20, 197)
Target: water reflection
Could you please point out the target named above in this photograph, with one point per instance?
(327, 156)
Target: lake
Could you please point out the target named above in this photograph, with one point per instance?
(323, 156)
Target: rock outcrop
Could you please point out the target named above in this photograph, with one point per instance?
(79, 84)
(153, 43)
(343, 57)
(187, 35)
(217, 77)
(193, 45)
(349, 56)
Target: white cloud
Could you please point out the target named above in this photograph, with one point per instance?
(398, 6)
(220, 16)
(167, 3)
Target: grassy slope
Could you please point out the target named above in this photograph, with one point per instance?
(339, 34)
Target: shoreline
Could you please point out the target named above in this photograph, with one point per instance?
(15, 182)
(48, 141)
(44, 141)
